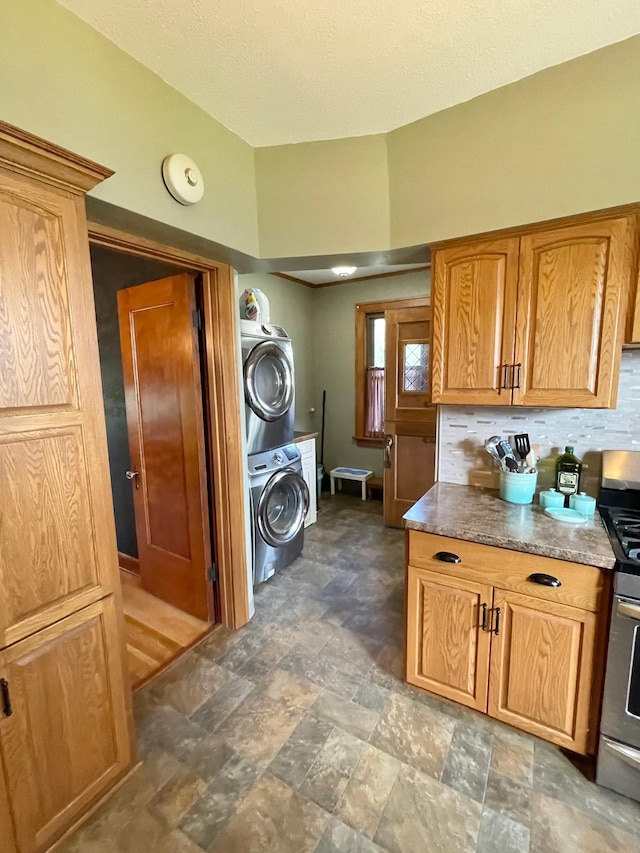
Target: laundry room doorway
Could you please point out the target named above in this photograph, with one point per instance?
(159, 342)
(166, 397)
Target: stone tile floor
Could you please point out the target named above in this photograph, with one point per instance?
(298, 734)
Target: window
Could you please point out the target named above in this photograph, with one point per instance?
(374, 380)
(371, 364)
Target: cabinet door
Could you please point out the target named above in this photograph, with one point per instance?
(473, 299)
(57, 548)
(572, 298)
(7, 837)
(542, 669)
(66, 740)
(447, 649)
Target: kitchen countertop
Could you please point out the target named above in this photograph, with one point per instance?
(478, 515)
(303, 436)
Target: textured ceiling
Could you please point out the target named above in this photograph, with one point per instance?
(279, 71)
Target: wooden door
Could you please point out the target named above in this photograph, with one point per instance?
(541, 669)
(410, 419)
(473, 295)
(572, 298)
(163, 397)
(66, 740)
(57, 539)
(447, 648)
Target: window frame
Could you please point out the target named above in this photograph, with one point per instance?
(362, 312)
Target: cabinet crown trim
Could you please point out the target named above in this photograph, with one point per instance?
(32, 156)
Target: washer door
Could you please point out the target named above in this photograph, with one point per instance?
(268, 381)
(282, 507)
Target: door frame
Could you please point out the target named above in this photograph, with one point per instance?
(222, 408)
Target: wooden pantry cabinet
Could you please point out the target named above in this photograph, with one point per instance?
(486, 633)
(66, 733)
(533, 319)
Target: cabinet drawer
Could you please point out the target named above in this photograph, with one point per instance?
(581, 586)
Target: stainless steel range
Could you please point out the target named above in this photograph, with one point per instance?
(619, 753)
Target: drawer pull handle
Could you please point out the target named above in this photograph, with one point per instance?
(496, 630)
(448, 557)
(545, 580)
(6, 699)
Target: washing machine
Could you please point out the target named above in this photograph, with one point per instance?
(279, 504)
(267, 359)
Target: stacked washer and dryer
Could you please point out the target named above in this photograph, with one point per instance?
(279, 497)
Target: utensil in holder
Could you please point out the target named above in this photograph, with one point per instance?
(518, 488)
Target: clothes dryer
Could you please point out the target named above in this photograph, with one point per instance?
(279, 504)
(267, 358)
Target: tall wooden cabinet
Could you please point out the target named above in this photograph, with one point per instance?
(65, 716)
(536, 319)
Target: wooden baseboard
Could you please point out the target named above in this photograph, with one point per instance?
(129, 564)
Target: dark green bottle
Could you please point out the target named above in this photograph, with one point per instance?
(568, 470)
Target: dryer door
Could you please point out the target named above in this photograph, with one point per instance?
(282, 507)
(268, 381)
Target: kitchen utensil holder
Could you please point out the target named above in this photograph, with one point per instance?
(518, 488)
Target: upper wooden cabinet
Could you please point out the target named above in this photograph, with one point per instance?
(535, 320)
(474, 313)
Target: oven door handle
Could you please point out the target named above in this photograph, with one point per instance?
(626, 753)
(625, 608)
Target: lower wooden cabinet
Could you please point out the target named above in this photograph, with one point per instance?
(447, 650)
(64, 736)
(542, 668)
(529, 661)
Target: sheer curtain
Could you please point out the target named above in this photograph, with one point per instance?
(374, 415)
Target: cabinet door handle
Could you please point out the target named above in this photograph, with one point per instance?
(496, 630)
(484, 617)
(505, 377)
(6, 699)
(517, 371)
(133, 475)
(545, 580)
(447, 557)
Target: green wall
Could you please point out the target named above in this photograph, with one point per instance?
(65, 82)
(334, 346)
(320, 198)
(321, 323)
(563, 141)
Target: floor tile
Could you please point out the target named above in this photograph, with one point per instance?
(209, 814)
(415, 734)
(467, 764)
(273, 817)
(340, 838)
(559, 828)
(188, 683)
(509, 797)
(513, 758)
(499, 833)
(423, 814)
(367, 791)
(176, 797)
(353, 718)
(294, 760)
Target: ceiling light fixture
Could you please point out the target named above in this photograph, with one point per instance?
(343, 272)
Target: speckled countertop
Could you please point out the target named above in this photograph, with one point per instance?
(478, 515)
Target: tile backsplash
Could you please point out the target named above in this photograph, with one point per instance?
(462, 431)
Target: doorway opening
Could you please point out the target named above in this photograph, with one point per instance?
(150, 337)
(393, 397)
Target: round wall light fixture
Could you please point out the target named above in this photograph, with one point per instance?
(182, 178)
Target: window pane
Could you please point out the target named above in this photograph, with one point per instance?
(415, 367)
(378, 342)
